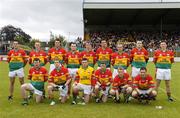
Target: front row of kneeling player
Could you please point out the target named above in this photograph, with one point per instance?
(97, 84)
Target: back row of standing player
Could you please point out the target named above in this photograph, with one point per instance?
(138, 58)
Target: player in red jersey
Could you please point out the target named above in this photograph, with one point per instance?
(59, 80)
(143, 85)
(73, 61)
(56, 52)
(139, 58)
(38, 76)
(38, 53)
(121, 84)
(119, 58)
(17, 59)
(104, 79)
(104, 54)
(163, 60)
(89, 54)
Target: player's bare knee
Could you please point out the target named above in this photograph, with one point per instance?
(129, 90)
(96, 87)
(21, 80)
(112, 92)
(50, 88)
(167, 84)
(12, 82)
(75, 89)
(134, 94)
(154, 93)
(23, 86)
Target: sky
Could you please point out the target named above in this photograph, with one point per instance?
(40, 17)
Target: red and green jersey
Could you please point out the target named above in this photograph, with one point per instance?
(40, 54)
(103, 77)
(139, 57)
(163, 59)
(16, 59)
(60, 76)
(73, 60)
(121, 81)
(120, 59)
(38, 77)
(91, 56)
(143, 83)
(85, 76)
(56, 53)
(104, 56)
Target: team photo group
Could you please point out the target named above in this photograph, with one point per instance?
(88, 75)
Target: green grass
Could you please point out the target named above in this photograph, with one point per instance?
(106, 110)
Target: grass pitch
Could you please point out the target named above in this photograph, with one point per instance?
(134, 109)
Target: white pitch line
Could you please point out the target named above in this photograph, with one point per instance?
(164, 91)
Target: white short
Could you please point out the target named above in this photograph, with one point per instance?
(52, 67)
(163, 74)
(143, 91)
(63, 92)
(72, 72)
(19, 73)
(115, 72)
(35, 91)
(85, 88)
(135, 71)
(106, 91)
